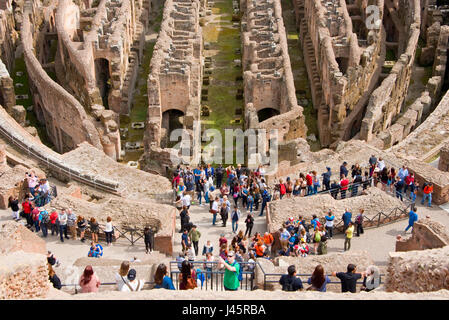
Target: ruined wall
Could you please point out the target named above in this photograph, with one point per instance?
(175, 78)
(7, 94)
(343, 61)
(418, 271)
(268, 78)
(386, 102)
(8, 35)
(426, 234)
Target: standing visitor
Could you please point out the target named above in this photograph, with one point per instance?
(148, 238)
(195, 236)
(109, 231)
(214, 210)
(44, 219)
(249, 221)
(327, 178)
(94, 229)
(26, 207)
(330, 223)
(185, 218)
(347, 216)
(427, 194)
(344, 185)
(412, 218)
(13, 203)
(399, 185)
(232, 269)
(235, 216)
(265, 199)
(185, 241)
(349, 232)
(207, 248)
(224, 213)
(54, 222)
(82, 225)
(89, 281)
(62, 217)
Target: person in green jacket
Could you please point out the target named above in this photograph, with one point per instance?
(195, 236)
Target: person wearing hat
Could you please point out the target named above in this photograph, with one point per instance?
(132, 284)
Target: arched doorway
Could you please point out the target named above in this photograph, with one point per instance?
(267, 113)
(103, 76)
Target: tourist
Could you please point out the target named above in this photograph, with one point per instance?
(327, 178)
(209, 171)
(207, 248)
(185, 240)
(344, 185)
(359, 222)
(372, 161)
(318, 280)
(109, 231)
(322, 246)
(330, 223)
(214, 210)
(200, 190)
(412, 218)
(399, 185)
(259, 249)
(148, 239)
(32, 180)
(265, 199)
(290, 282)
(62, 217)
(427, 194)
(315, 182)
(371, 280)
(185, 218)
(402, 173)
(51, 259)
(250, 202)
(54, 279)
(232, 270)
(235, 216)
(119, 276)
(195, 236)
(26, 207)
(223, 251)
(54, 222)
(249, 221)
(344, 170)
(178, 203)
(289, 187)
(191, 256)
(409, 182)
(71, 223)
(95, 250)
(349, 279)
(335, 188)
(356, 183)
(268, 240)
(13, 203)
(131, 283)
(44, 219)
(219, 176)
(309, 180)
(208, 266)
(180, 259)
(347, 216)
(187, 278)
(222, 240)
(35, 214)
(224, 213)
(82, 225)
(94, 229)
(161, 279)
(186, 200)
(89, 281)
(413, 195)
(224, 190)
(348, 232)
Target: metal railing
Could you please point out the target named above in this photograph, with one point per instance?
(50, 162)
(213, 278)
(303, 276)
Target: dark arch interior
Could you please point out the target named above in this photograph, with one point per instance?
(171, 120)
(267, 113)
(103, 76)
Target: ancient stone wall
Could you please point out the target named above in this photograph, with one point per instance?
(175, 78)
(386, 102)
(7, 94)
(426, 234)
(443, 163)
(8, 34)
(418, 271)
(343, 60)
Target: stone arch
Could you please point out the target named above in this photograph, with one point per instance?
(172, 119)
(267, 113)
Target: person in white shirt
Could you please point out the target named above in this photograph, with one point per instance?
(191, 254)
(62, 217)
(131, 283)
(120, 277)
(381, 164)
(186, 200)
(214, 210)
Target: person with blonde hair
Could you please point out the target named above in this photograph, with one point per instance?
(121, 275)
(371, 280)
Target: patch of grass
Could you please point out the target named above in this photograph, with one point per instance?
(390, 55)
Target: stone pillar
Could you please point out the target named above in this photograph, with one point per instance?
(443, 164)
(2, 156)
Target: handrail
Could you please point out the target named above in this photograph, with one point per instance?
(113, 186)
(76, 285)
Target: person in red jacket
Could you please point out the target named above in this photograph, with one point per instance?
(26, 207)
(54, 222)
(427, 193)
(282, 188)
(309, 180)
(344, 182)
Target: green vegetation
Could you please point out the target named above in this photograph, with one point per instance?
(390, 55)
(427, 75)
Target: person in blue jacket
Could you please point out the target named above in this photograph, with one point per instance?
(347, 216)
(412, 218)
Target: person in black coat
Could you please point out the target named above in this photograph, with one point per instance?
(13, 203)
(148, 238)
(54, 279)
(249, 221)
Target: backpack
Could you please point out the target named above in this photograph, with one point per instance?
(36, 216)
(45, 218)
(240, 276)
(317, 237)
